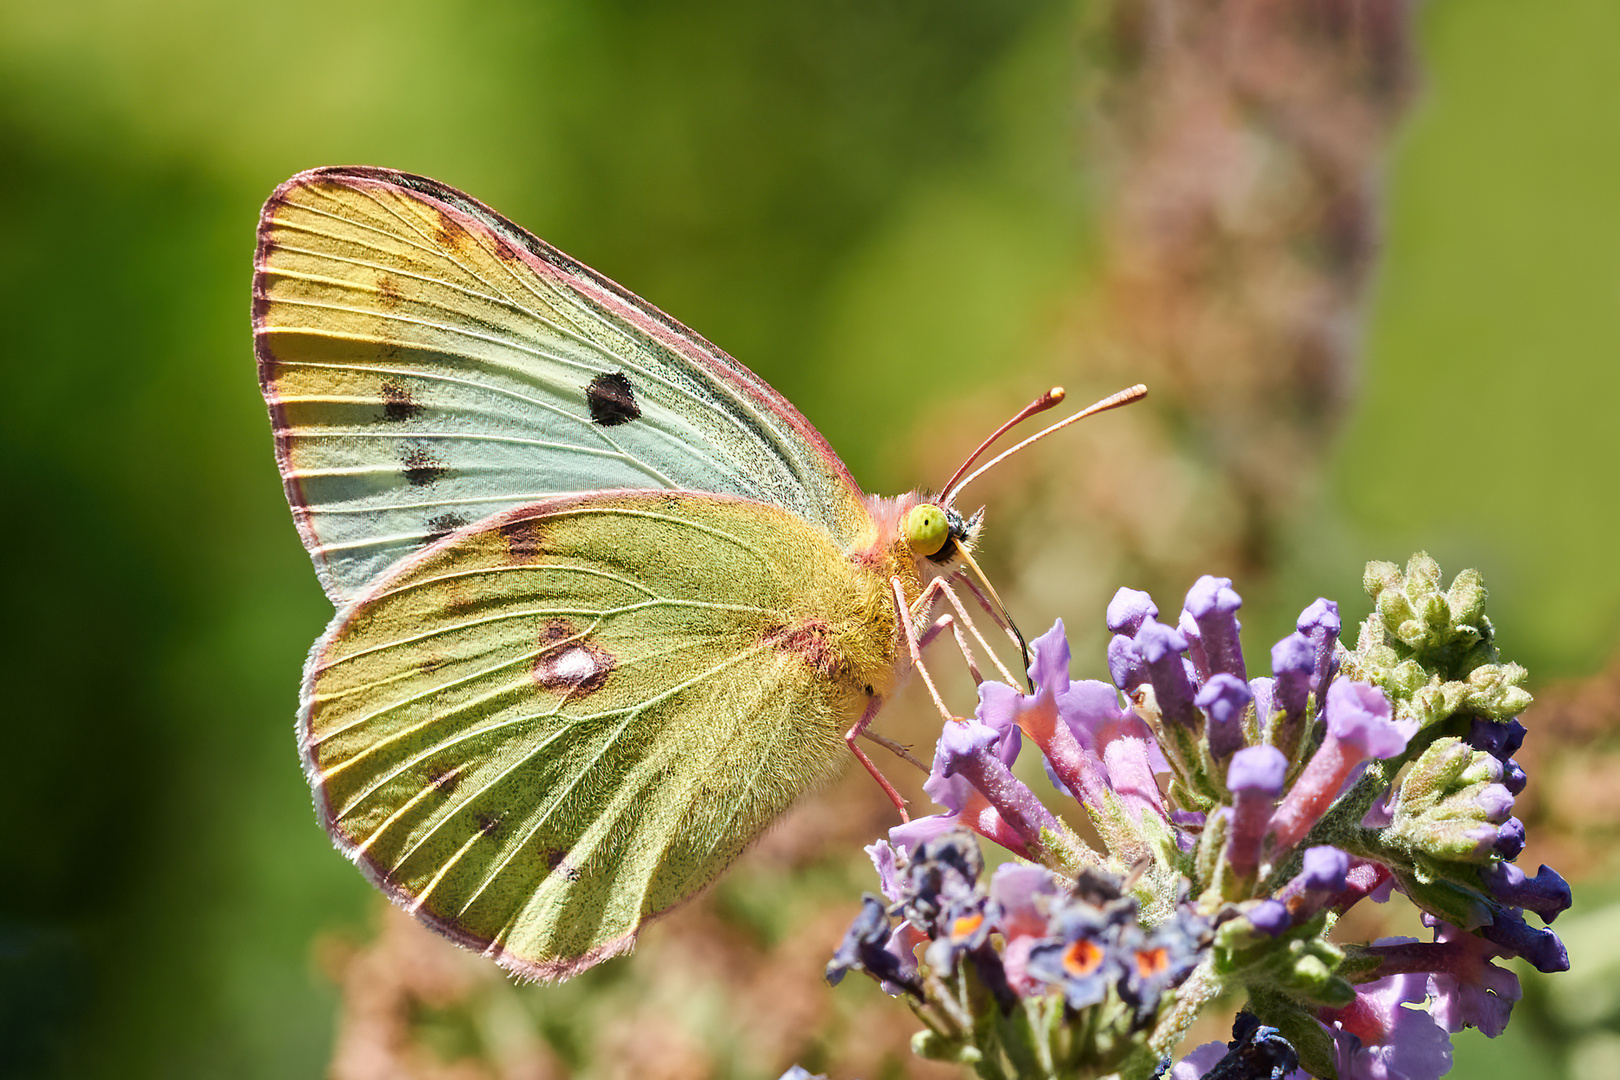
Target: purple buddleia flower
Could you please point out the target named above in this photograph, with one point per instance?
(1224, 698)
(967, 806)
(887, 863)
(1095, 748)
(1261, 690)
(1212, 605)
(1120, 740)
(1360, 726)
(1161, 648)
(943, 871)
(866, 948)
(1469, 990)
(1320, 625)
(1255, 779)
(1540, 946)
(1293, 665)
(1128, 610)
(1126, 665)
(1547, 894)
(1038, 716)
(1206, 784)
(1377, 1038)
(1022, 899)
(962, 927)
(1322, 880)
(799, 1072)
(1501, 741)
(1197, 1064)
(1197, 659)
(1270, 917)
(968, 749)
(1082, 958)
(1159, 960)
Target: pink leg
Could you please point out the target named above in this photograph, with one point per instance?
(883, 781)
(941, 588)
(915, 648)
(956, 602)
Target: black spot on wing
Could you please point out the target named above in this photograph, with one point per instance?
(421, 467)
(398, 404)
(443, 525)
(611, 400)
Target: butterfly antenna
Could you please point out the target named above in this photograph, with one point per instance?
(1046, 401)
(1113, 401)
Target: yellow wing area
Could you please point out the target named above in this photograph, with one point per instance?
(567, 719)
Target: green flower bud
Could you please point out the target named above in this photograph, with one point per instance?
(1449, 805)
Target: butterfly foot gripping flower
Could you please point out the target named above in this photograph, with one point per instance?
(1239, 818)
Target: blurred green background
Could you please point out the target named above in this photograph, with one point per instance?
(876, 206)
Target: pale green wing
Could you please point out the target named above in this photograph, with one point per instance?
(553, 726)
(428, 363)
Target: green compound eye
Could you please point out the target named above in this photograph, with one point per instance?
(926, 529)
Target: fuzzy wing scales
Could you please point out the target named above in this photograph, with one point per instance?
(542, 732)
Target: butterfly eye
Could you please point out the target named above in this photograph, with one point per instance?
(926, 529)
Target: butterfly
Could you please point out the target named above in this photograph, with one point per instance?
(607, 603)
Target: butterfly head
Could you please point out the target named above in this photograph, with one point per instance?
(938, 532)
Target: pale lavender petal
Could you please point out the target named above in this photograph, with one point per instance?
(1051, 662)
(1224, 698)
(1199, 1062)
(1161, 650)
(1262, 689)
(1128, 609)
(1359, 714)
(1188, 628)
(1321, 625)
(884, 858)
(1126, 665)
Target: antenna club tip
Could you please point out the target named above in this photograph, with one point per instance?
(1056, 394)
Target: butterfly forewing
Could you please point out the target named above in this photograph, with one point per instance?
(428, 364)
(546, 729)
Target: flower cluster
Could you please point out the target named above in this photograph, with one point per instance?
(1239, 818)
(1010, 964)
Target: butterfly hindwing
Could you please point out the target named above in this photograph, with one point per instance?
(428, 363)
(548, 728)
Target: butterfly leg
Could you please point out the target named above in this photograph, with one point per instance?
(914, 645)
(856, 732)
(956, 602)
(899, 750)
(941, 587)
